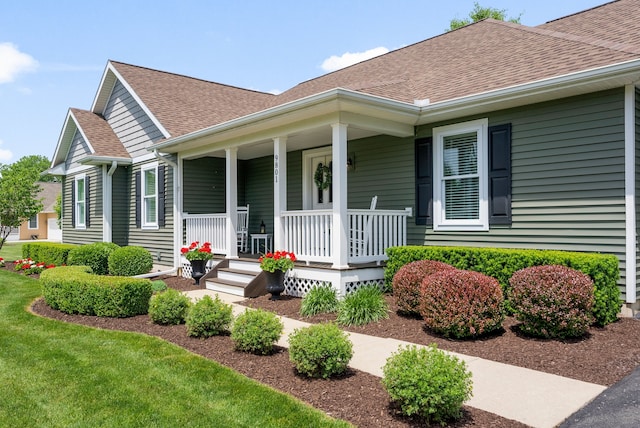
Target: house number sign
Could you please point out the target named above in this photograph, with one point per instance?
(275, 168)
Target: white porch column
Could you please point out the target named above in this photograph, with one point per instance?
(231, 191)
(339, 183)
(279, 190)
(107, 187)
(630, 191)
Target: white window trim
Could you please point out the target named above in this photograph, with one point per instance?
(440, 223)
(143, 207)
(81, 221)
(37, 223)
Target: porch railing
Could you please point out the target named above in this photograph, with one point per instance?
(308, 233)
(206, 228)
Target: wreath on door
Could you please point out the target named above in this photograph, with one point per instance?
(322, 177)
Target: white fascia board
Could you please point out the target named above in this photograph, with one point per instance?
(112, 69)
(64, 140)
(405, 112)
(616, 75)
(104, 160)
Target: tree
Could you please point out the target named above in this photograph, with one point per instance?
(479, 13)
(19, 191)
(35, 164)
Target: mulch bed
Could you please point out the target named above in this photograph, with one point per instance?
(605, 356)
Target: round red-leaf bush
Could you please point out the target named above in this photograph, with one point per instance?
(461, 303)
(552, 301)
(407, 280)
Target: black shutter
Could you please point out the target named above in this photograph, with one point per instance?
(161, 193)
(73, 202)
(424, 181)
(500, 174)
(137, 191)
(87, 214)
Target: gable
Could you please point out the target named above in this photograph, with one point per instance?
(132, 125)
(78, 150)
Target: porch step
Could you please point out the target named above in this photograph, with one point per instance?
(240, 277)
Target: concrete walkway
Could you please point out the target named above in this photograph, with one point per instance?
(534, 398)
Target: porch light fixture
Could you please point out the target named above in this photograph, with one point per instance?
(351, 162)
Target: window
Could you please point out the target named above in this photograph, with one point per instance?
(460, 171)
(33, 222)
(457, 153)
(149, 193)
(80, 202)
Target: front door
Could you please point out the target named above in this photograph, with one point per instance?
(321, 189)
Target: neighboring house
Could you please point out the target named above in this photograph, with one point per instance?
(44, 225)
(495, 134)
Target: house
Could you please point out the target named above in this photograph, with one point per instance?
(44, 225)
(495, 134)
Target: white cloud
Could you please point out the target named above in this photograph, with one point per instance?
(13, 62)
(5, 155)
(334, 62)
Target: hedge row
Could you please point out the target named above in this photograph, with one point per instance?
(74, 290)
(502, 263)
(49, 253)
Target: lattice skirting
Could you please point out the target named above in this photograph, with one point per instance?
(299, 287)
(186, 269)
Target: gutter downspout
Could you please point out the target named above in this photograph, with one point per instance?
(159, 273)
(630, 193)
(177, 218)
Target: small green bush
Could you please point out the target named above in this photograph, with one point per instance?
(407, 281)
(158, 286)
(74, 290)
(49, 253)
(552, 301)
(209, 317)
(130, 261)
(95, 255)
(320, 350)
(427, 382)
(320, 299)
(169, 307)
(363, 306)
(461, 303)
(256, 331)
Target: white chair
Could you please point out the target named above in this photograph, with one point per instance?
(243, 229)
(360, 233)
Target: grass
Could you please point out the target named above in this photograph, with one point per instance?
(55, 374)
(11, 251)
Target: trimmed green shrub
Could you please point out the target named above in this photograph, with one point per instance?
(363, 306)
(320, 299)
(130, 261)
(256, 331)
(74, 290)
(501, 263)
(209, 317)
(461, 303)
(49, 253)
(158, 286)
(169, 307)
(407, 281)
(552, 301)
(320, 350)
(95, 255)
(427, 382)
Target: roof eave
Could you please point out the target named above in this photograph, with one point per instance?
(336, 100)
(592, 80)
(104, 160)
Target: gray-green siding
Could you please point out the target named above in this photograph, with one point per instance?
(637, 165)
(158, 241)
(79, 149)
(130, 123)
(93, 233)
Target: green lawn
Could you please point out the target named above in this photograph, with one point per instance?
(55, 374)
(11, 251)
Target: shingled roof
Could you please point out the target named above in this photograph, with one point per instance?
(100, 135)
(480, 57)
(184, 104)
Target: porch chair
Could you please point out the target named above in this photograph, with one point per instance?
(243, 229)
(360, 237)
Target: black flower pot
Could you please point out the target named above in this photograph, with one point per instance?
(197, 269)
(275, 283)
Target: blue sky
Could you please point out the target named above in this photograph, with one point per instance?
(53, 53)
